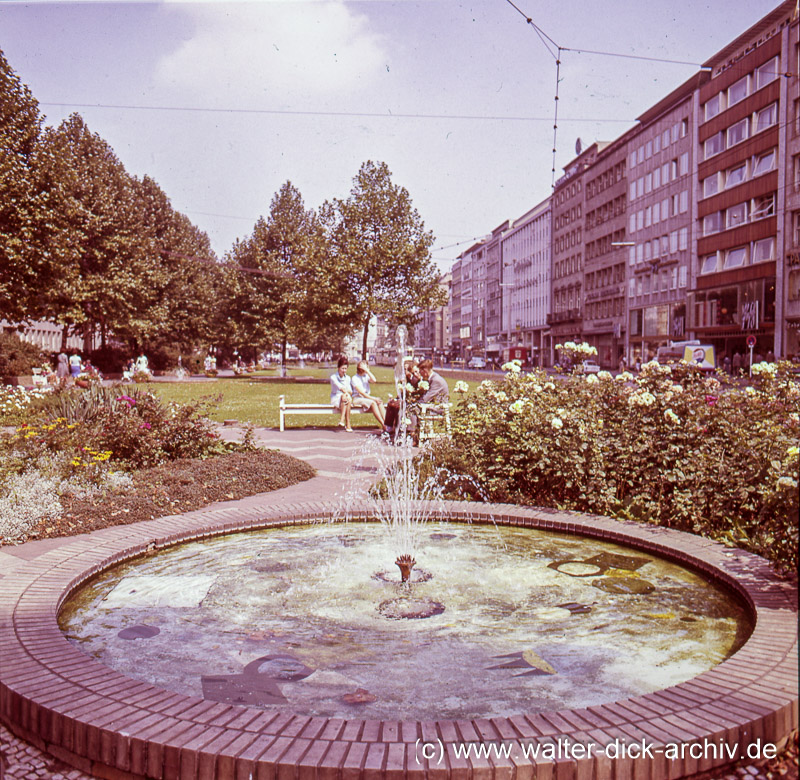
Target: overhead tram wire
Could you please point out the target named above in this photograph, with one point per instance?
(360, 114)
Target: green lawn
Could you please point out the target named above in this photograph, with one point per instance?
(248, 400)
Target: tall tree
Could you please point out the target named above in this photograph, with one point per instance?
(380, 247)
(97, 231)
(274, 271)
(20, 209)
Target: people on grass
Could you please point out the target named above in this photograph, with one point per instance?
(342, 392)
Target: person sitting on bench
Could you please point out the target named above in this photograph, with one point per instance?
(342, 392)
(361, 396)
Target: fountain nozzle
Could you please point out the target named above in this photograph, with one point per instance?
(405, 563)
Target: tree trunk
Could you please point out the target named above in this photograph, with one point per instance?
(64, 334)
(364, 355)
(283, 354)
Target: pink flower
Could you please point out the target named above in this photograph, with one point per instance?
(127, 399)
(711, 400)
(146, 426)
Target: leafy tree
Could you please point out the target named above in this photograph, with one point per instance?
(20, 125)
(273, 275)
(97, 242)
(380, 251)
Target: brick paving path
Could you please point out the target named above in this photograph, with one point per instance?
(331, 453)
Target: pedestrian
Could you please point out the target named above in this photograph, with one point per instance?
(62, 367)
(737, 363)
(74, 365)
(361, 395)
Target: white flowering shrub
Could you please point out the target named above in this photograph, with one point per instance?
(26, 500)
(671, 446)
(15, 402)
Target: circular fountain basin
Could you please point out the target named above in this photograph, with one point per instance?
(111, 724)
(511, 620)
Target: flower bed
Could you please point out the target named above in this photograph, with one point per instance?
(670, 447)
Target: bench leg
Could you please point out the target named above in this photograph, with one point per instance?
(281, 420)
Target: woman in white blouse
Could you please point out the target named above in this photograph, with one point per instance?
(361, 394)
(342, 392)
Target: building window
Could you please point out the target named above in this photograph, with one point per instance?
(712, 223)
(766, 163)
(763, 207)
(767, 72)
(734, 258)
(767, 117)
(764, 250)
(684, 201)
(735, 176)
(737, 91)
(712, 146)
(683, 238)
(796, 228)
(711, 185)
(682, 276)
(736, 215)
(713, 106)
(737, 133)
(665, 139)
(709, 264)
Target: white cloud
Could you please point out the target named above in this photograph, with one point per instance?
(292, 49)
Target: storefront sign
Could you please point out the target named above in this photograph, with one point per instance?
(750, 315)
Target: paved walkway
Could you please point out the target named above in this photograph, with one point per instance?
(345, 462)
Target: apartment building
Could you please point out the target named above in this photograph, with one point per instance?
(432, 334)
(567, 253)
(688, 226)
(662, 178)
(526, 283)
(493, 292)
(606, 198)
(789, 330)
(742, 120)
(454, 345)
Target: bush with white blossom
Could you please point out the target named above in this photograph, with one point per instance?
(671, 446)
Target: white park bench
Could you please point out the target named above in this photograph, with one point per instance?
(321, 408)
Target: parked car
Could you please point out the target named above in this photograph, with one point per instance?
(477, 362)
(590, 367)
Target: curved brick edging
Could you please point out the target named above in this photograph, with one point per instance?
(109, 725)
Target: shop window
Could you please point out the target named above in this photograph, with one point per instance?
(735, 258)
(794, 285)
(796, 228)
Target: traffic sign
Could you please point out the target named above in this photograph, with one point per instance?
(751, 341)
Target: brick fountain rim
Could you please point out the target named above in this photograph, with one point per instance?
(109, 725)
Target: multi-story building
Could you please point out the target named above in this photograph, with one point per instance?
(492, 300)
(662, 175)
(566, 286)
(526, 283)
(742, 119)
(606, 199)
(454, 343)
(789, 280)
(432, 332)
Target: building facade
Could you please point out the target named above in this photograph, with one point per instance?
(526, 283)
(606, 199)
(789, 329)
(661, 186)
(742, 116)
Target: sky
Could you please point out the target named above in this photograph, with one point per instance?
(223, 102)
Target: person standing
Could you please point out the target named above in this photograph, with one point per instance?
(342, 393)
(62, 367)
(74, 365)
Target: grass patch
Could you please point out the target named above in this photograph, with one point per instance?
(252, 401)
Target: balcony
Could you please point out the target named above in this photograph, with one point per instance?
(570, 315)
